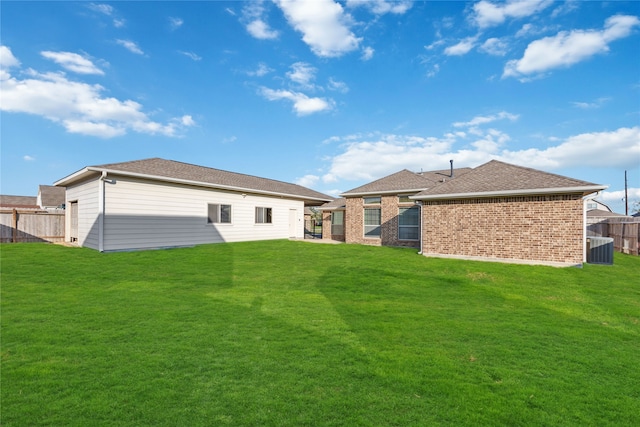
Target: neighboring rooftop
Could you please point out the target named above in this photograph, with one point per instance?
(334, 204)
(499, 178)
(599, 213)
(50, 196)
(19, 202)
(173, 171)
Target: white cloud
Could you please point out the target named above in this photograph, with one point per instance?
(107, 10)
(564, 8)
(337, 86)
(302, 74)
(262, 70)
(461, 48)
(175, 22)
(80, 107)
(302, 104)
(495, 46)
(360, 159)
(261, 30)
(308, 180)
(617, 196)
(28, 158)
(381, 7)
(590, 105)
(480, 120)
(367, 53)
(359, 156)
(130, 46)
(191, 55)
(567, 48)
(488, 14)
(617, 148)
(73, 62)
(324, 26)
(7, 61)
(253, 15)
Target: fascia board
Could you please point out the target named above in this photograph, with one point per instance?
(76, 176)
(382, 193)
(560, 190)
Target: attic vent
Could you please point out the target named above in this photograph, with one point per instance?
(600, 250)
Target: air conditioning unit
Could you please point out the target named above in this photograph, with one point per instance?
(599, 250)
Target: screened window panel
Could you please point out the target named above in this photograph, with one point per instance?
(218, 214)
(409, 216)
(372, 222)
(337, 223)
(263, 215)
(409, 223)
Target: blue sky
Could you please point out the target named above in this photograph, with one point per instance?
(326, 94)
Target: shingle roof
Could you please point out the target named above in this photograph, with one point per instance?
(334, 204)
(599, 213)
(25, 202)
(51, 196)
(406, 181)
(497, 177)
(170, 170)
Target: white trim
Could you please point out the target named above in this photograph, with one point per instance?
(88, 170)
(529, 192)
(386, 192)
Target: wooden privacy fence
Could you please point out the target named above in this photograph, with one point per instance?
(31, 226)
(625, 232)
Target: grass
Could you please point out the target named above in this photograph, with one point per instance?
(284, 333)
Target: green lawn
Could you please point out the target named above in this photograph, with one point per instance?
(284, 333)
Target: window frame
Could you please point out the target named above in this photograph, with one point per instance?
(218, 217)
(263, 215)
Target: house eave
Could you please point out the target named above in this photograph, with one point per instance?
(383, 193)
(88, 171)
(529, 192)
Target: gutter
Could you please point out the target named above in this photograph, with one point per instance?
(379, 193)
(585, 190)
(101, 210)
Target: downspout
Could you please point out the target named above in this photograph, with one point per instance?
(101, 210)
(584, 224)
(419, 204)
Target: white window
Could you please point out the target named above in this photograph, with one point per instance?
(372, 218)
(409, 223)
(263, 215)
(404, 198)
(218, 214)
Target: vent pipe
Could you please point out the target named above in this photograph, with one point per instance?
(451, 173)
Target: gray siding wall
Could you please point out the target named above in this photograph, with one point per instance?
(143, 214)
(86, 194)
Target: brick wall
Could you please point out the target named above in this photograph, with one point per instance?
(354, 222)
(534, 228)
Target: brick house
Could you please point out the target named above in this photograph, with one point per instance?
(496, 211)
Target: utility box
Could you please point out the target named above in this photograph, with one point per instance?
(599, 250)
